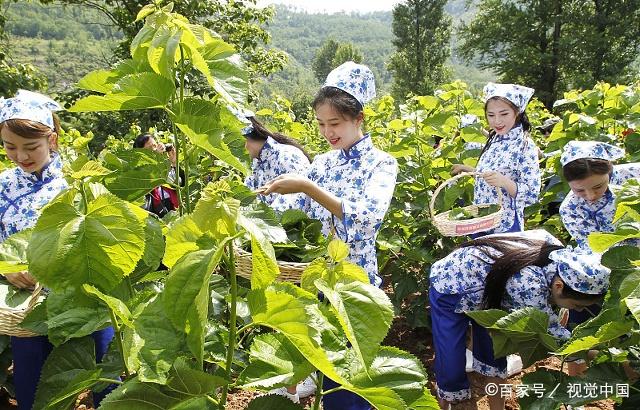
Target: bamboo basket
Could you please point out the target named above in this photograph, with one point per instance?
(447, 227)
(10, 318)
(289, 271)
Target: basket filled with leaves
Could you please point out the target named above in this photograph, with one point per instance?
(465, 220)
(305, 243)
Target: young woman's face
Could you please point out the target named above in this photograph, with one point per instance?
(567, 303)
(253, 147)
(590, 188)
(501, 116)
(340, 132)
(30, 154)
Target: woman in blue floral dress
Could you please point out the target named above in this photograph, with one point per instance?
(348, 188)
(590, 205)
(503, 271)
(272, 154)
(509, 159)
(29, 130)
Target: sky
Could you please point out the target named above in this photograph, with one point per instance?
(335, 6)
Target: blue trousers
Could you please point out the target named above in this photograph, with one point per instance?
(342, 399)
(449, 330)
(29, 355)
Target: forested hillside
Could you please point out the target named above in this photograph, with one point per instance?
(66, 42)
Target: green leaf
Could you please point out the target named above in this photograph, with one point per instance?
(135, 394)
(154, 344)
(161, 53)
(153, 249)
(131, 92)
(90, 169)
(186, 295)
(71, 313)
(135, 172)
(608, 332)
(114, 304)
(397, 370)
(230, 78)
(68, 370)
(274, 362)
(338, 250)
(200, 121)
(99, 246)
(191, 382)
(264, 268)
(291, 311)
(272, 402)
(523, 331)
(13, 252)
(365, 314)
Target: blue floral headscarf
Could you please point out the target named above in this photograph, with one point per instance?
(589, 149)
(29, 105)
(354, 79)
(581, 270)
(517, 94)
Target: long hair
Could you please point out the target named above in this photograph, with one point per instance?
(521, 120)
(260, 133)
(509, 255)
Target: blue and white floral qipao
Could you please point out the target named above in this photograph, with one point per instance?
(364, 179)
(514, 155)
(581, 217)
(274, 160)
(23, 195)
(457, 286)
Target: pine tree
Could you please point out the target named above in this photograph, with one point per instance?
(422, 34)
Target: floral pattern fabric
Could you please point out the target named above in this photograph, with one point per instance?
(274, 160)
(23, 195)
(514, 155)
(465, 270)
(581, 218)
(364, 179)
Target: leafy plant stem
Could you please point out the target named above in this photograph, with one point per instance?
(183, 71)
(232, 322)
(318, 398)
(114, 321)
(112, 381)
(335, 389)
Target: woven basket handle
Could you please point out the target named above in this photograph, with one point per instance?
(455, 178)
(34, 296)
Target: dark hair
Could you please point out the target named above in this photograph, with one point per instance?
(569, 293)
(141, 140)
(521, 120)
(582, 168)
(341, 101)
(513, 254)
(260, 133)
(32, 129)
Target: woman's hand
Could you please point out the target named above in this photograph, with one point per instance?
(286, 184)
(496, 179)
(22, 279)
(458, 168)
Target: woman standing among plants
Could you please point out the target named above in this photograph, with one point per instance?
(349, 188)
(503, 271)
(29, 130)
(509, 159)
(272, 154)
(588, 169)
